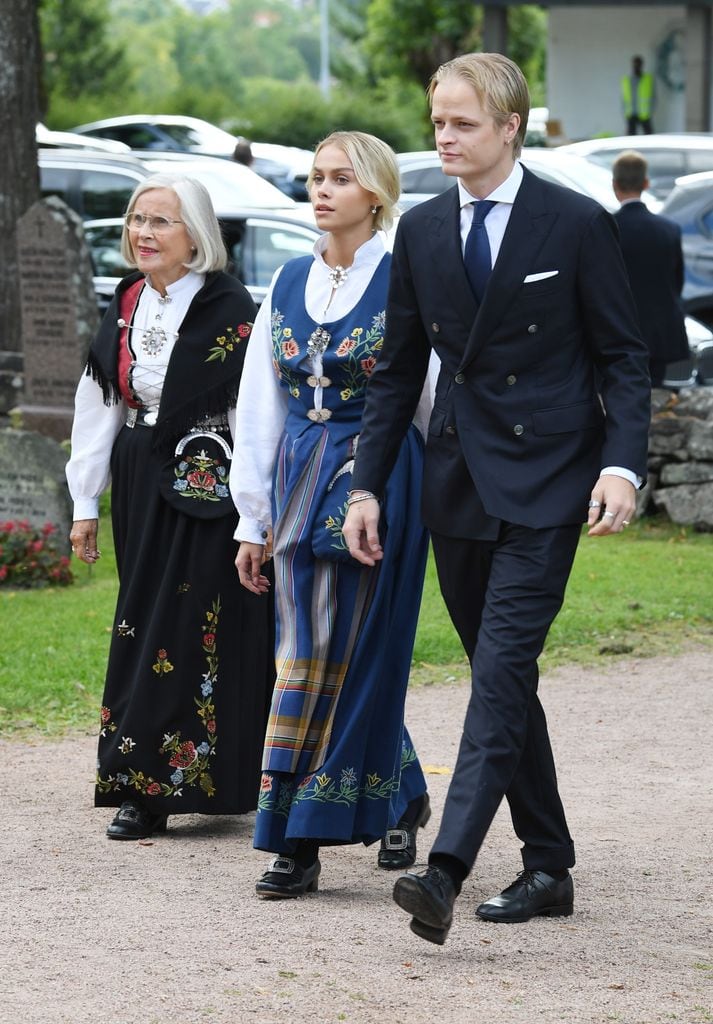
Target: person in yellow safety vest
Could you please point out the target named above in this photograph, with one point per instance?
(637, 98)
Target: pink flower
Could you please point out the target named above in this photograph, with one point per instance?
(184, 756)
(346, 346)
(209, 639)
(290, 349)
(200, 480)
(210, 725)
(368, 365)
(105, 715)
(243, 330)
(154, 789)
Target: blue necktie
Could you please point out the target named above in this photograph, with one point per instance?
(477, 249)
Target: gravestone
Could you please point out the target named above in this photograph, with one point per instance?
(32, 482)
(59, 313)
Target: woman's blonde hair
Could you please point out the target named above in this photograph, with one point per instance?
(198, 217)
(375, 168)
(498, 83)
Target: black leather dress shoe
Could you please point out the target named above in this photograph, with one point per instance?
(398, 847)
(532, 894)
(429, 896)
(285, 879)
(132, 821)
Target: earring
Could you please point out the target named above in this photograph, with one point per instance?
(374, 209)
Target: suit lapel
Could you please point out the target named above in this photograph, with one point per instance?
(530, 223)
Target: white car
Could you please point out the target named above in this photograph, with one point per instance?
(669, 156)
(422, 177)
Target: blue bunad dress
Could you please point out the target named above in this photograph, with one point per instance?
(338, 763)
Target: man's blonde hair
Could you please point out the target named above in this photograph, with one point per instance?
(498, 83)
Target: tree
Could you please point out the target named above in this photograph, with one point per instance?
(19, 179)
(81, 55)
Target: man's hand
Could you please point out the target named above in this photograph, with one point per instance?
(248, 561)
(83, 538)
(612, 506)
(361, 531)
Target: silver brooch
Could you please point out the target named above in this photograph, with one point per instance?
(338, 275)
(318, 341)
(153, 340)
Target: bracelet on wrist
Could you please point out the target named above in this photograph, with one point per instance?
(353, 498)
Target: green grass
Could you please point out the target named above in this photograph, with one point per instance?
(648, 591)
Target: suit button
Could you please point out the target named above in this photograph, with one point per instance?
(510, 379)
(532, 329)
(518, 429)
(450, 430)
(460, 378)
(435, 328)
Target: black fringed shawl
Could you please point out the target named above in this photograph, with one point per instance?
(204, 370)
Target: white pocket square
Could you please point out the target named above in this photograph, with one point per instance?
(540, 277)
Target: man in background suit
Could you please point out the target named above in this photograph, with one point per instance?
(651, 246)
(520, 451)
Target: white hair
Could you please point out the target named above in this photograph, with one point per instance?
(198, 217)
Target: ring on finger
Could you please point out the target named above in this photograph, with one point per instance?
(611, 514)
(625, 522)
(595, 504)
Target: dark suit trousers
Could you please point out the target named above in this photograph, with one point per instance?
(503, 596)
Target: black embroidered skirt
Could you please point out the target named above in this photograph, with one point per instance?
(191, 663)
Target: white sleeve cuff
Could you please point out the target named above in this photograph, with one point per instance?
(251, 531)
(627, 474)
(86, 508)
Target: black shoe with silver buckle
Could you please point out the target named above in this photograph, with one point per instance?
(532, 894)
(286, 879)
(132, 821)
(398, 847)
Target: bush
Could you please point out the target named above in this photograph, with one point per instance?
(297, 114)
(30, 557)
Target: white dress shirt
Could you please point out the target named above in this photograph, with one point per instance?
(96, 425)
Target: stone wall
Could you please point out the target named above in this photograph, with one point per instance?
(680, 480)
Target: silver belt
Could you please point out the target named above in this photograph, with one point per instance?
(144, 417)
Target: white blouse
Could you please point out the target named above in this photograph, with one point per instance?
(96, 425)
(262, 404)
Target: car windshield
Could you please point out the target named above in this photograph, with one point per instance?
(199, 135)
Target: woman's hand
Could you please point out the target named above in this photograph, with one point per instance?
(248, 561)
(83, 538)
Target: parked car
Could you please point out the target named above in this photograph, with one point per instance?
(258, 242)
(690, 205)
(669, 156)
(92, 184)
(422, 177)
(230, 184)
(698, 368)
(47, 139)
(163, 132)
(287, 167)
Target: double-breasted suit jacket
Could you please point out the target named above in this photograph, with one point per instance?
(519, 431)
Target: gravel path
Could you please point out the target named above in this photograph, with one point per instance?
(171, 931)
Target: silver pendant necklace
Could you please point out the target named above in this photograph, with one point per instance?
(155, 337)
(338, 275)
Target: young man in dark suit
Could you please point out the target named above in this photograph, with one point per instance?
(520, 451)
(651, 246)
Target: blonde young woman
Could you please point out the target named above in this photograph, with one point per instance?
(338, 765)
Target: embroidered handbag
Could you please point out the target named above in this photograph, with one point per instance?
(195, 479)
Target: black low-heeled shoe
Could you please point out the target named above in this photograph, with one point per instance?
(132, 821)
(286, 879)
(398, 847)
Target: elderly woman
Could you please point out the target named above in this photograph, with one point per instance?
(191, 663)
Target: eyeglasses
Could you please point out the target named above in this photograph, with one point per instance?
(135, 221)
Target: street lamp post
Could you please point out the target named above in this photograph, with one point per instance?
(324, 48)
